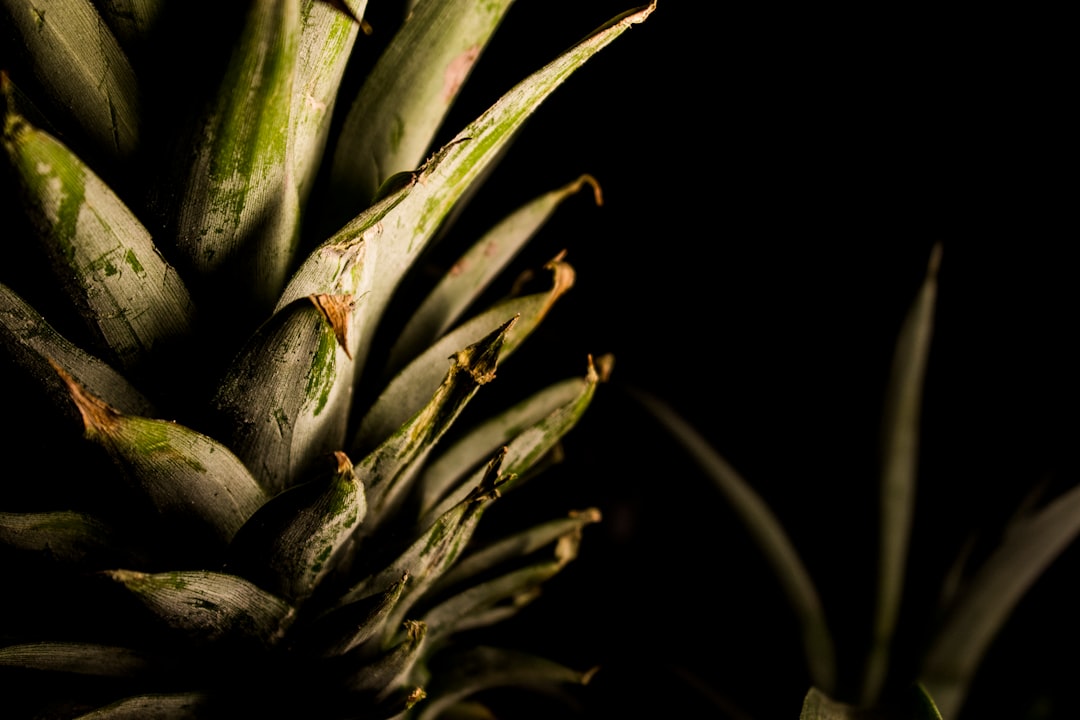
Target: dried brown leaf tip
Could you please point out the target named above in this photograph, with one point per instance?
(98, 416)
(577, 185)
(337, 310)
(344, 464)
(600, 369)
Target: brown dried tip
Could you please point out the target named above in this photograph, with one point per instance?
(598, 195)
(336, 309)
(600, 370)
(591, 515)
(344, 464)
(96, 413)
(587, 676)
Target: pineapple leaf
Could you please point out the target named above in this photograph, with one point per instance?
(475, 270)
(290, 544)
(327, 37)
(481, 668)
(914, 704)
(283, 401)
(209, 607)
(80, 659)
(433, 551)
(377, 677)
(174, 706)
(477, 605)
(65, 537)
(528, 447)
(131, 299)
(900, 453)
(75, 56)
(552, 411)
(388, 470)
(411, 387)
(770, 536)
(187, 477)
(404, 99)
(401, 224)
(985, 602)
(516, 546)
(239, 214)
(35, 346)
(348, 627)
(130, 20)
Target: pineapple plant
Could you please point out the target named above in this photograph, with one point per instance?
(215, 316)
(900, 669)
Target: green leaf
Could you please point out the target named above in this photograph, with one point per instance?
(409, 389)
(381, 243)
(189, 478)
(481, 668)
(283, 401)
(86, 75)
(209, 608)
(432, 553)
(35, 347)
(69, 538)
(388, 470)
(132, 301)
(900, 458)
(914, 704)
(530, 429)
(237, 224)
(404, 99)
(475, 270)
(379, 678)
(985, 602)
(175, 706)
(347, 627)
(495, 599)
(291, 543)
(767, 532)
(326, 42)
(563, 530)
(527, 448)
(78, 658)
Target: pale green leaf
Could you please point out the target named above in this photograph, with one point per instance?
(78, 658)
(985, 602)
(475, 270)
(75, 56)
(482, 668)
(769, 534)
(432, 553)
(526, 449)
(326, 41)
(209, 608)
(238, 218)
(66, 537)
(517, 546)
(175, 706)
(283, 401)
(291, 543)
(34, 346)
(409, 389)
(347, 627)
(389, 469)
(900, 458)
(105, 261)
(187, 477)
(391, 123)
(378, 678)
(550, 408)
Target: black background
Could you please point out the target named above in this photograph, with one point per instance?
(774, 181)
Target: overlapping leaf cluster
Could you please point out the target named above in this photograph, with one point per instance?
(234, 499)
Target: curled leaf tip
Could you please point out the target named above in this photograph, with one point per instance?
(601, 368)
(97, 415)
(336, 309)
(586, 179)
(589, 515)
(344, 464)
(587, 676)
